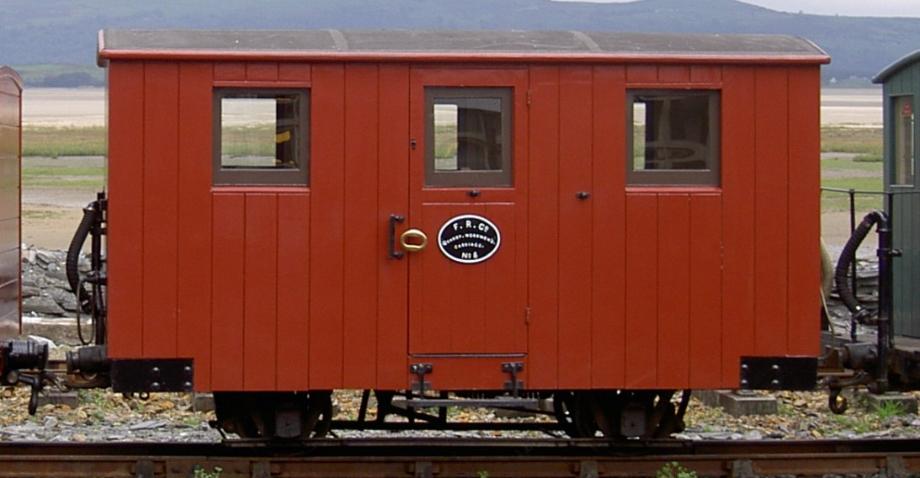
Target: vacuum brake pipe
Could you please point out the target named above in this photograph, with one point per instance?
(885, 254)
(89, 303)
(72, 267)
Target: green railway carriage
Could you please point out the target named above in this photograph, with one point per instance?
(901, 83)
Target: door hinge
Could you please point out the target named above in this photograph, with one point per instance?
(526, 315)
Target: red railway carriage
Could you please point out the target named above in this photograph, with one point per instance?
(539, 211)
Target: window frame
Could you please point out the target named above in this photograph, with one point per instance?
(288, 177)
(503, 178)
(893, 99)
(711, 176)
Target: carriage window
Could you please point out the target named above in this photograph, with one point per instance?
(260, 137)
(904, 140)
(468, 137)
(673, 137)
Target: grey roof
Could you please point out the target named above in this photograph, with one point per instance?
(389, 42)
(895, 67)
(7, 72)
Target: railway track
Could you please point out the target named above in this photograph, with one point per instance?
(461, 457)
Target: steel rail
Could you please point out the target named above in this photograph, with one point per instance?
(426, 457)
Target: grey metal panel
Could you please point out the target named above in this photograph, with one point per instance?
(9, 265)
(9, 298)
(9, 110)
(9, 209)
(9, 140)
(10, 87)
(9, 310)
(9, 79)
(9, 325)
(456, 41)
(9, 173)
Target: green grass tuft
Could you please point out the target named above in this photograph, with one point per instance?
(53, 141)
(867, 141)
(886, 410)
(836, 201)
(675, 470)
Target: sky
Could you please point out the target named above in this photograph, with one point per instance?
(869, 8)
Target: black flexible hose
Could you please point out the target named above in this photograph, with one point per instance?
(84, 299)
(846, 257)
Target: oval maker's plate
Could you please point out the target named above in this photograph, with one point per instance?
(469, 239)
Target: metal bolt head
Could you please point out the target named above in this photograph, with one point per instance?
(155, 386)
(155, 370)
(775, 368)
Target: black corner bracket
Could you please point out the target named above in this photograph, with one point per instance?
(779, 373)
(152, 375)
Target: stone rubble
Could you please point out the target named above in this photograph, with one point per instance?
(103, 416)
(45, 290)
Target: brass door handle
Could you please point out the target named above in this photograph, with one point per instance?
(413, 240)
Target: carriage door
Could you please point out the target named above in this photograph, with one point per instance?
(465, 234)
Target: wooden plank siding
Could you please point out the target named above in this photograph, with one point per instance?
(392, 198)
(126, 209)
(804, 205)
(738, 195)
(575, 227)
(608, 300)
(290, 288)
(194, 214)
(160, 202)
(327, 216)
(544, 227)
(903, 213)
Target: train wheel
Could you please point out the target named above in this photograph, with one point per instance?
(620, 414)
(575, 413)
(271, 416)
(318, 416)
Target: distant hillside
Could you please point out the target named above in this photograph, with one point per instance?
(64, 31)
